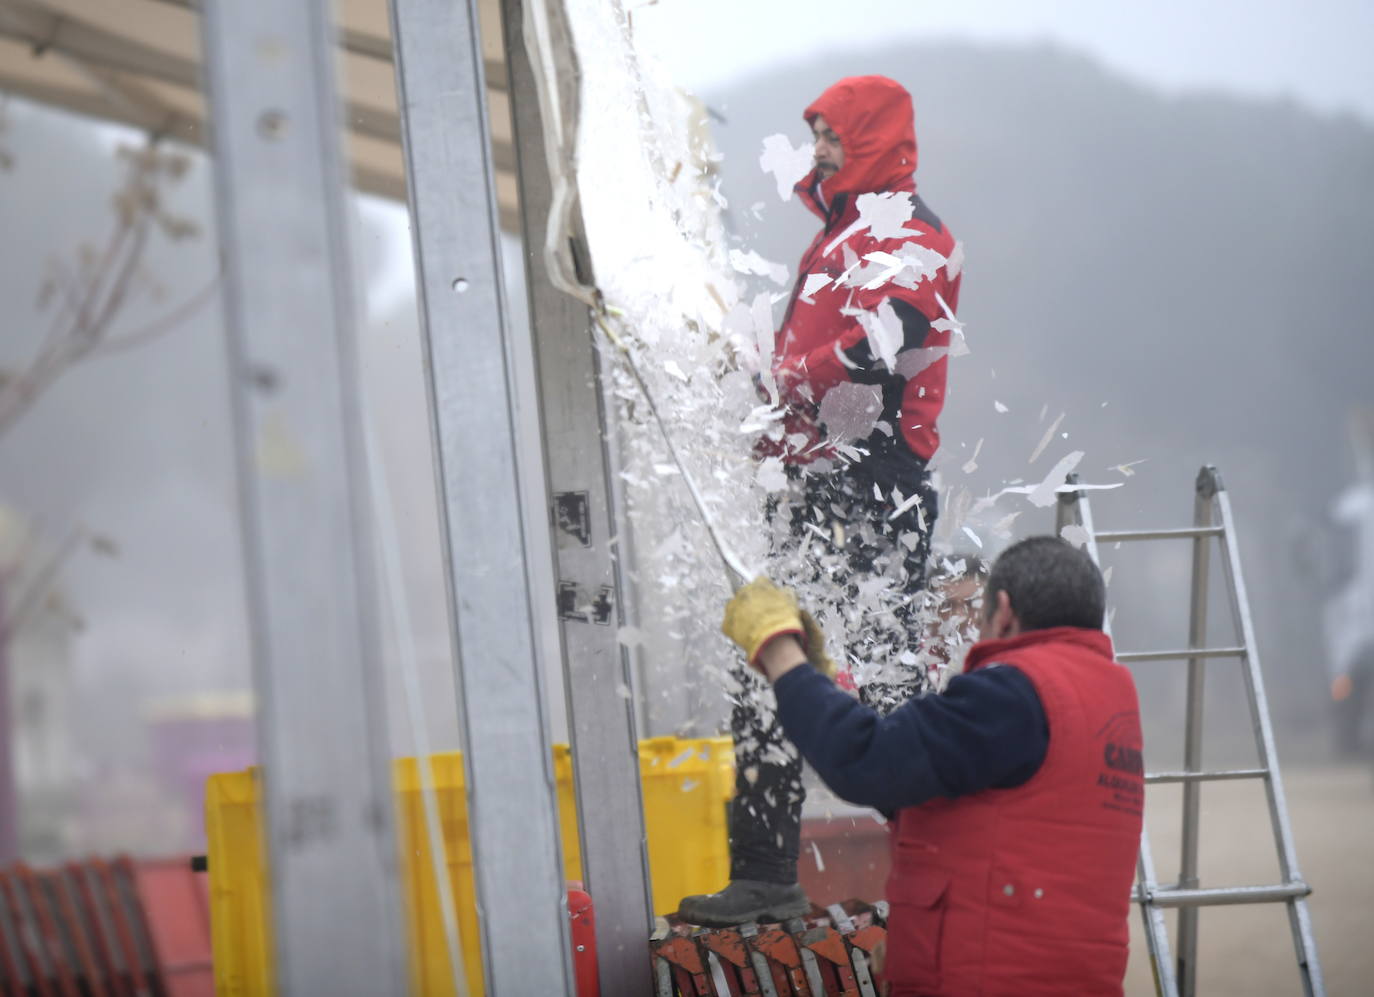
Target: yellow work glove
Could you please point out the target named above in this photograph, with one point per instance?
(761, 611)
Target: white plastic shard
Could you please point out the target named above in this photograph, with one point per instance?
(885, 214)
(683, 756)
(673, 368)
(972, 463)
(1043, 495)
(813, 283)
(885, 268)
(955, 265)
(850, 411)
(751, 262)
(761, 418)
(787, 164)
(912, 362)
(1128, 468)
(884, 331)
(770, 475)
(974, 537)
(1045, 440)
(1001, 409)
(1075, 534)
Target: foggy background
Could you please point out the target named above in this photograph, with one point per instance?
(1169, 230)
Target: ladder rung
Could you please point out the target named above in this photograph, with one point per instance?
(1182, 653)
(1218, 775)
(1226, 895)
(1183, 533)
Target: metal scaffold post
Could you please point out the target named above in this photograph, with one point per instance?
(493, 552)
(583, 469)
(307, 527)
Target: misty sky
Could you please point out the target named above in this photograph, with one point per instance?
(1316, 51)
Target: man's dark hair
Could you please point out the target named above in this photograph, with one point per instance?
(1050, 583)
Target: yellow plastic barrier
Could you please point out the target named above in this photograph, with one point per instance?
(685, 785)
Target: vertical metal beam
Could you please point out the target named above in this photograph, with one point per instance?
(512, 802)
(1299, 916)
(1074, 508)
(9, 788)
(583, 474)
(1192, 734)
(289, 309)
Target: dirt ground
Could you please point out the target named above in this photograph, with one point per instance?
(1249, 950)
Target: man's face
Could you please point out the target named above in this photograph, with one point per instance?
(829, 153)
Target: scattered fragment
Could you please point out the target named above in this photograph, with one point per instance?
(1126, 469)
(787, 164)
(1043, 494)
(671, 366)
(1075, 534)
(1001, 409)
(1045, 440)
(972, 464)
(816, 853)
(686, 754)
(974, 537)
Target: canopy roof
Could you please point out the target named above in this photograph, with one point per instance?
(137, 62)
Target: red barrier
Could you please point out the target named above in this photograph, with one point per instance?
(105, 930)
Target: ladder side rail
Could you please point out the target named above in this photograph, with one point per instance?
(1192, 733)
(1300, 920)
(1073, 509)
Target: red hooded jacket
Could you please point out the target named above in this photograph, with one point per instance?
(1026, 891)
(823, 341)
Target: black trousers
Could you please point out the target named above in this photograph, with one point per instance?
(861, 571)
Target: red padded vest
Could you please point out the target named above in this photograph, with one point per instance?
(1026, 891)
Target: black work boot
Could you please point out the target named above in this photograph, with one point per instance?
(743, 901)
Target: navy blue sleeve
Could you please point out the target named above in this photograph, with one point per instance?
(986, 730)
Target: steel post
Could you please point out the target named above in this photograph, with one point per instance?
(486, 484)
(1299, 917)
(307, 527)
(1192, 731)
(582, 460)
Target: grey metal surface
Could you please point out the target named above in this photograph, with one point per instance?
(1215, 775)
(1299, 917)
(512, 806)
(1182, 533)
(1181, 654)
(307, 527)
(1229, 895)
(592, 540)
(1192, 729)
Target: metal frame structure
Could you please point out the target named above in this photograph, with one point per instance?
(582, 461)
(1212, 519)
(284, 127)
(470, 358)
(289, 304)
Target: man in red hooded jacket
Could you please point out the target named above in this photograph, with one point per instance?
(867, 333)
(1015, 795)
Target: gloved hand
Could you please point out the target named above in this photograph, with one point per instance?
(761, 611)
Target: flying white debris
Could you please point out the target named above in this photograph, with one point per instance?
(788, 165)
(752, 262)
(1045, 440)
(1001, 409)
(1127, 468)
(1043, 495)
(1075, 535)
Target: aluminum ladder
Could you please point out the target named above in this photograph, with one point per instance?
(1211, 519)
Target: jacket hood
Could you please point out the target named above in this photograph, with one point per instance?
(874, 118)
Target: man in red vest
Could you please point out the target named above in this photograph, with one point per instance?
(1016, 795)
(858, 370)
